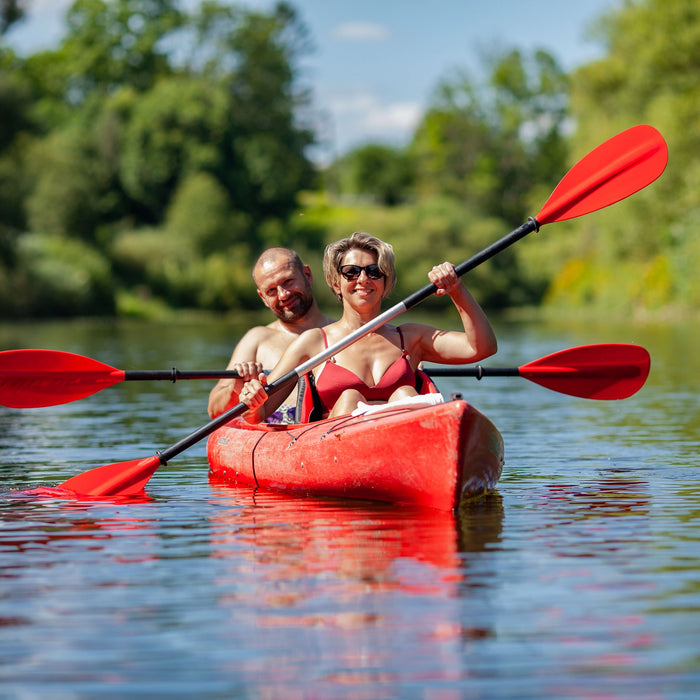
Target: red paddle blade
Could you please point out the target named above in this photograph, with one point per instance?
(33, 378)
(605, 371)
(621, 166)
(119, 479)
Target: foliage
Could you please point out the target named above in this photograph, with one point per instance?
(10, 12)
(15, 106)
(147, 159)
(177, 129)
(377, 172)
(55, 276)
(159, 139)
(115, 43)
(488, 143)
(66, 206)
(423, 234)
(199, 212)
(652, 236)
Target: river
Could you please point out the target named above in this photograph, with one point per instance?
(579, 577)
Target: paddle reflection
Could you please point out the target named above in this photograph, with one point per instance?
(50, 521)
(56, 492)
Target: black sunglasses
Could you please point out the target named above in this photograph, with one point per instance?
(353, 272)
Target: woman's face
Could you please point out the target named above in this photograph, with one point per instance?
(368, 286)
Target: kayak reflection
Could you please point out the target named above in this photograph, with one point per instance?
(356, 539)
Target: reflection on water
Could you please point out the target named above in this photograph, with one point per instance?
(578, 578)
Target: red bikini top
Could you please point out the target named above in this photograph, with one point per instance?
(334, 379)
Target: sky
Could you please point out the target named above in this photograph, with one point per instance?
(376, 63)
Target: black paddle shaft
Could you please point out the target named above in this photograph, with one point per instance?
(174, 374)
(477, 371)
(239, 409)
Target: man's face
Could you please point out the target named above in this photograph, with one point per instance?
(285, 289)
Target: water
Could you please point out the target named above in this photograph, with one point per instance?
(578, 578)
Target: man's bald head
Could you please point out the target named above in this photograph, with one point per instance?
(276, 257)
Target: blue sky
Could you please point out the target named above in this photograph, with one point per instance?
(376, 62)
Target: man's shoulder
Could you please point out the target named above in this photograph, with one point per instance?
(259, 332)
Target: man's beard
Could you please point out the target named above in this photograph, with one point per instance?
(299, 309)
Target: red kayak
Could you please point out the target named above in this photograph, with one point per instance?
(426, 455)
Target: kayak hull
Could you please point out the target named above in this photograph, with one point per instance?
(431, 456)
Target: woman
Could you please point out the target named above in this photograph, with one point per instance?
(380, 366)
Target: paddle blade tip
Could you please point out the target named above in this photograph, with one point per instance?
(603, 372)
(34, 378)
(119, 479)
(619, 167)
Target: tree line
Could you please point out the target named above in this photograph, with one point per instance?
(148, 158)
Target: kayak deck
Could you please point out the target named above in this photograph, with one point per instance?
(428, 455)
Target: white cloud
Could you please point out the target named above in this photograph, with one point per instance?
(361, 31)
(401, 116)
(371, 111)
(363, 117)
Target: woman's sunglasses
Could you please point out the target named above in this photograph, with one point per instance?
(353, 272)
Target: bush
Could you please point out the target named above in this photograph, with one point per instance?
(226, 283)
(161, 262)
(200, 213)
(56, 276)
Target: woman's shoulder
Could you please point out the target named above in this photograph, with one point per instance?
(312, 337)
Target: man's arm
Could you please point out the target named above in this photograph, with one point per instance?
(225, 393)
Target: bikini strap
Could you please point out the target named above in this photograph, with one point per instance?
(403, 349)
(325, 344)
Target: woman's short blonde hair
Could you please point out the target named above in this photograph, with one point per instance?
(335, 252)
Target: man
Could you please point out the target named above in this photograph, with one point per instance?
(284, 285)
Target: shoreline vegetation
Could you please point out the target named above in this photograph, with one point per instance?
(137, 183)
(241, 320)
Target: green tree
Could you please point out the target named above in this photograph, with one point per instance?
(16, 100)
(113, 43)
(55, 276)
(382, 173)
(17, 130)
(270, 139)
(490, 142)
(638, 253)
(178, 128)
(234, 114)
(200, 213)
(148, 129)
(75, 173)
(10, 12)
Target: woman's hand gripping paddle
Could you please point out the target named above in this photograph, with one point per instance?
(621, 166)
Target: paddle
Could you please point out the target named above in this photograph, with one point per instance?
(604, 371)
(33, 378)
(616, 169)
